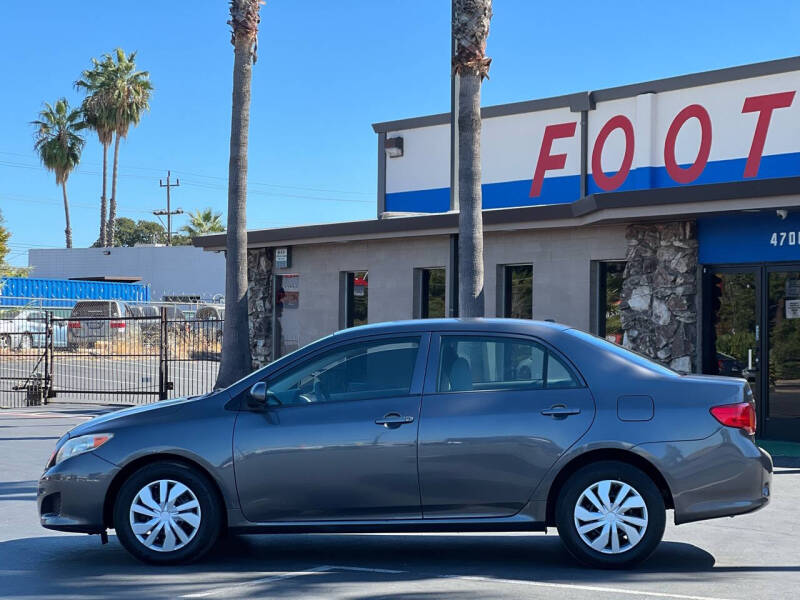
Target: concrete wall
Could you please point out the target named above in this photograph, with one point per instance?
(174, 270)
(561, 261)
(390, 263)
(561, 274)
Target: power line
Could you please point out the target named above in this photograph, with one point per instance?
(181, 171)
(250, 192)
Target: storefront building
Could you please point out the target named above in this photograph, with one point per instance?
(663, 215)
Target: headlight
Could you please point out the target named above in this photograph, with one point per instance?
(79, 445)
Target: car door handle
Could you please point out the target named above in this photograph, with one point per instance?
(559, 411)
(393, 420)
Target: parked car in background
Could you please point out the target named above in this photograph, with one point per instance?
(23, 329)
(729, 365)
(92, 321)
(429, 425)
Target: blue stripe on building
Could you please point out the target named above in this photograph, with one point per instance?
(562, 190)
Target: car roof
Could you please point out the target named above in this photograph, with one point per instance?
(525, 326)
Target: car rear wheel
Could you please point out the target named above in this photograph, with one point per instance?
(167, 513)
(610, 515)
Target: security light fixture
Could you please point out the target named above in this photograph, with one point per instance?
(394, 147)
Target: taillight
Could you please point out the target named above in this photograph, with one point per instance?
(117, 324)
(741, 416)
(74, 324)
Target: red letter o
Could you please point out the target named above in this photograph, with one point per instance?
(689, 174)
(603, 181)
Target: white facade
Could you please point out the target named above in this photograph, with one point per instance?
(718, 127)
(169, 271)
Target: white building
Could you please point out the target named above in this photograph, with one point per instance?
(170, 271)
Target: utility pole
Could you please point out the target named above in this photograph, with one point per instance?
(169, 212)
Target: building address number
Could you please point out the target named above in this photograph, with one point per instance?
(784, 238)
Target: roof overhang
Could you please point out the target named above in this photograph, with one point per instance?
(684, 202)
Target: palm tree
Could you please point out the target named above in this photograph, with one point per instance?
(129, 96)
(470, 65)
(117, 95)
(202, 222)
(59, 146)
(236, 359)
(97, 116)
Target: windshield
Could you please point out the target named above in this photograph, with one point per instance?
(628, 355)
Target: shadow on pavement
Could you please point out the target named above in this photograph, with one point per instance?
(66, 565)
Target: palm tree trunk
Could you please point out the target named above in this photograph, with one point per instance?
(103, 202)
(112, 207)
(470, 218)
(68, 227)
(470, 28)
(236, 359)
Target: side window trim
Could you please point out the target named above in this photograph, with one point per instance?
(417, 377)
(434, 350)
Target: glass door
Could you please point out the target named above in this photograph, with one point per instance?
(733, 324)
(782, 418)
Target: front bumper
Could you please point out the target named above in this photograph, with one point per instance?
(724, 475)
(72, 494)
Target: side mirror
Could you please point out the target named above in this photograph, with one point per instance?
(258, 394)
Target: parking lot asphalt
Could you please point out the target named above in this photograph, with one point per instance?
(746, 558)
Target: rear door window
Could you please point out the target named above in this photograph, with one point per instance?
(476, 363)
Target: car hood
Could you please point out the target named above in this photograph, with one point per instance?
(103, 421)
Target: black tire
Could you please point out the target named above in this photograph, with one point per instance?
(210, 510)
(591, 474)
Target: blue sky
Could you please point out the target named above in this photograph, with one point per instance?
(326, 71)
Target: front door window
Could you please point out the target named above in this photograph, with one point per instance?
(377, 369)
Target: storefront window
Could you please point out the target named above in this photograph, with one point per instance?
(432, 289)
(784, 344)
(518, 297)
(610, 293)
(357, 298)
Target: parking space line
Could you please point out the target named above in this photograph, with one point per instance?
(579, 587)
(364, 569)
(246, 584)
(493, 580)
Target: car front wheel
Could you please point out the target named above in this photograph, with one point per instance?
(167, 513)
(610, 515)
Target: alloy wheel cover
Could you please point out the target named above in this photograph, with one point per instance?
(610, 516)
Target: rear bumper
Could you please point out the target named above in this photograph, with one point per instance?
(72, 494)
(724, 475)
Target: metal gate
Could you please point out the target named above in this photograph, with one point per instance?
(108, 360)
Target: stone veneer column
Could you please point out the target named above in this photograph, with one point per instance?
(259, 304)
(659, 308)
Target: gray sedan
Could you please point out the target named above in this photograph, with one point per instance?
(434, 425)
